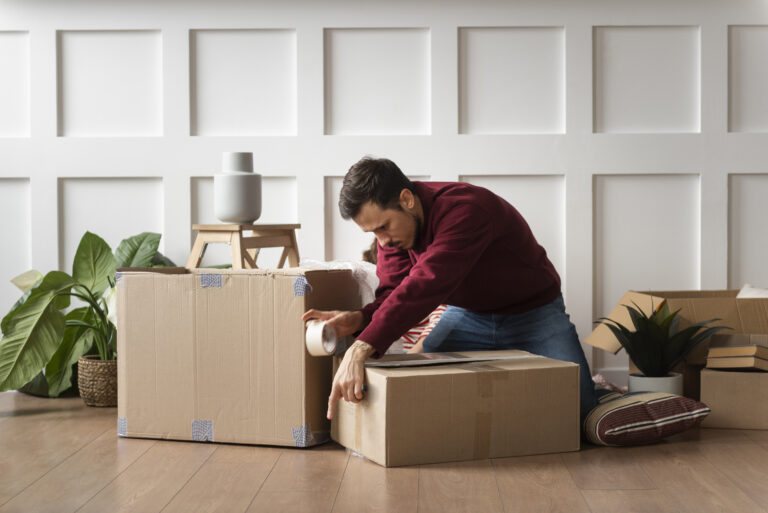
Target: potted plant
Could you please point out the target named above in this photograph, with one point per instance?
(656, 346)
(42, 332)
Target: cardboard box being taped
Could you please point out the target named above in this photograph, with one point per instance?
(747, 315)
(216, 355)
(522, 404)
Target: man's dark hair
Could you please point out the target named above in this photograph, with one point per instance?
(372, 179)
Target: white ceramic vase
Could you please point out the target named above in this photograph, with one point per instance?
(237, 189)
(673, 383)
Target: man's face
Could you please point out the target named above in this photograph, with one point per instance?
(393, 228)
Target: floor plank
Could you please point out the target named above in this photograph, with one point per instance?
(682, 471)
(467, 486)
(227, 482)
(630, 501)
(606, 468)
(537, 484)
(301, 477)
(371, 488)
(95, 465)
(746, 465)
(152, 481)
(37, 434)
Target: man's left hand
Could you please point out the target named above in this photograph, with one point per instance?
(348, 381)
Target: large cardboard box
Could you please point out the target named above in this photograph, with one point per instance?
(745, 315)
(738, 399)
(216, 355)
(523, 404)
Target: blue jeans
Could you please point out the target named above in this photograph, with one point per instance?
(546, 331)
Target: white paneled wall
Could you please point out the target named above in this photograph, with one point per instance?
(15, 258)
(632, 136)
(14, 86)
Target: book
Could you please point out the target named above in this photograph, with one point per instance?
(758, 351)
(737, 362)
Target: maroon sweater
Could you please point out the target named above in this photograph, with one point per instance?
(474, 251)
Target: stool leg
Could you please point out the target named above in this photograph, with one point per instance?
(196, 255)
(237, 251)
(293, 255)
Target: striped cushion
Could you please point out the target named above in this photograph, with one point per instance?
(641, 418)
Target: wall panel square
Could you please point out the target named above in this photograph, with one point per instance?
(377, 81)
(112, 208)
(647, 79)
(110, 83)
(747, 78)
(748, 238)
(16, 257)
(647, 231)
(14, 84)
(243, 82)
(511, 80)
(279, 205)
(540, 199)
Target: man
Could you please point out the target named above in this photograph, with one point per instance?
(457, 244)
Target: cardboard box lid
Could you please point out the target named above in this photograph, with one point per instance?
(742, 315)
(461, 362)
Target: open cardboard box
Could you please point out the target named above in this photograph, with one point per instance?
(742, 315)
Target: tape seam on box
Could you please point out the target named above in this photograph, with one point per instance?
(202, 430)
(210, 281)
(122, 426)
(301, 287)
(302, 435)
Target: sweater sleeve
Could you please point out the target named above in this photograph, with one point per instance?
(462, 235)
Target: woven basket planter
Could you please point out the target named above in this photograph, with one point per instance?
(97, 380)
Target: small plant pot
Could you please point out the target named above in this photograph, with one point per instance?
(672, 383)
(97, 380)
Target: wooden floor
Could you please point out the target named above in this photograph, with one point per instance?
(58, 455)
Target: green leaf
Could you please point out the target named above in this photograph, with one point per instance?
(76, 342)
(33, 335)
(160, 260)
(56, 281)
(37, 386)
(137, 251)
(94, 263)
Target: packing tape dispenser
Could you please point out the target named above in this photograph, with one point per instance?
(321, 339)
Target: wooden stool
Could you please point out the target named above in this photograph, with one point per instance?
(245, 249)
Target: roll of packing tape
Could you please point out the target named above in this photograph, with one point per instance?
(321, 339)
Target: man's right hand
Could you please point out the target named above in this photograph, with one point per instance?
(344, 322)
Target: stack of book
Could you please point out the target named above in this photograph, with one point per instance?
(752, 356)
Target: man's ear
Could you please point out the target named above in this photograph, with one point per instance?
(407, 200)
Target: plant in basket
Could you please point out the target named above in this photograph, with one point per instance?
(43, 331)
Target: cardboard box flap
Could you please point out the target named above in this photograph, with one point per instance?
(459, 362)
(603, 338)
(742, 315)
